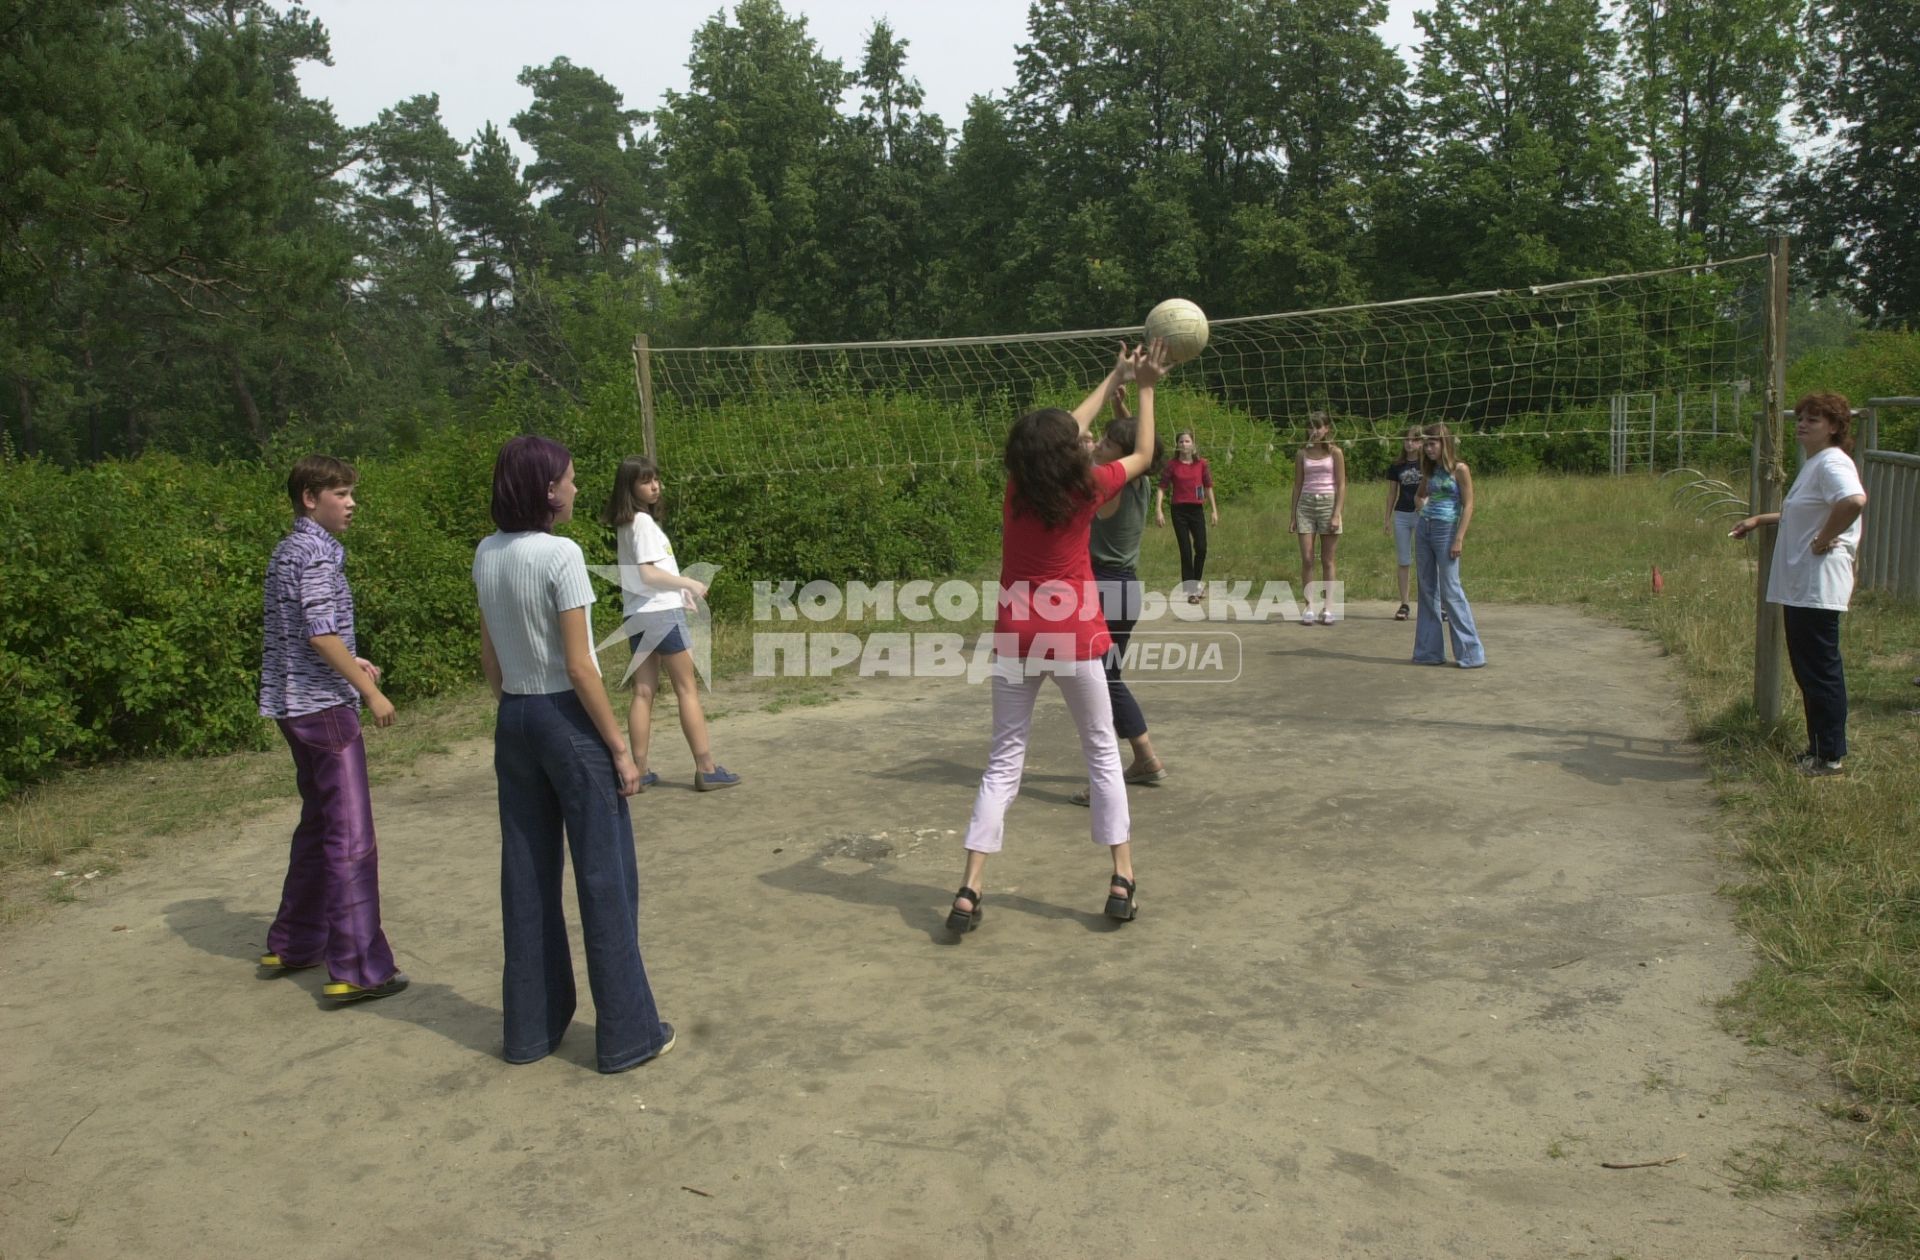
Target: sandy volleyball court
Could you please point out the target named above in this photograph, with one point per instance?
(1419, 950)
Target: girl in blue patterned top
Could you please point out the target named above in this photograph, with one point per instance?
(1446, 510)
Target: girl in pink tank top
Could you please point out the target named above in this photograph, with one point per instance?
(1319, 498)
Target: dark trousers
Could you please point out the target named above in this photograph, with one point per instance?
(1190, 532)
(1120, 597)
(330, 904)
(555, 777)
(1813, 649)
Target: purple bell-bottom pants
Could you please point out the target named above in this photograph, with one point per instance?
(330, 907)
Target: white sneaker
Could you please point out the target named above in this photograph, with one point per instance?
(1326, 616)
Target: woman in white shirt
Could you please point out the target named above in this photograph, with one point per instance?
(1812, 574)
(563, 768)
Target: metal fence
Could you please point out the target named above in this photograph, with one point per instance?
(1890, 541)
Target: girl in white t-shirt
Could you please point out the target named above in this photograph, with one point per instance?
(1812, 574)
(654, 603)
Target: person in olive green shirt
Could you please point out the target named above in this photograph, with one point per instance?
(1114, 547)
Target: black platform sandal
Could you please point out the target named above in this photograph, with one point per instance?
(960, 922)
(1120, 909)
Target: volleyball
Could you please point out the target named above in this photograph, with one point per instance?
(1182, 325)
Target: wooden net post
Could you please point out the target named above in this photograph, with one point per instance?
(643, 382)
(1768, 480)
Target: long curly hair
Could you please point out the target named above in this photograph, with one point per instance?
(1050, 471)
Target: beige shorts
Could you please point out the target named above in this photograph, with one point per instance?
(1315, 515)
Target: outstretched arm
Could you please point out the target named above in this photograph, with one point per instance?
(1122, 371)
(1752, 523)
(1149, 366)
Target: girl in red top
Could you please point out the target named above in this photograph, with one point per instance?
(1050, 623)
(1187, 481)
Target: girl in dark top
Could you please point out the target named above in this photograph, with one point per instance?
(1403, 509)
(1189, 483)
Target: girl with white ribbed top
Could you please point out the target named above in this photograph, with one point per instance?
(564, 774)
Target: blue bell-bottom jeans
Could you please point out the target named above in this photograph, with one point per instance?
(556, 778)
(1440, 590)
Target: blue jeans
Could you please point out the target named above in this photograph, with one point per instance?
(557, 776)
(1439, 575)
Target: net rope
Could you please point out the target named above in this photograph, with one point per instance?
(1644, 362)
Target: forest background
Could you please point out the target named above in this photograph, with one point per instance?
(204, 273)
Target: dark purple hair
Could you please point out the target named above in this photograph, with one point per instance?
(526, 467)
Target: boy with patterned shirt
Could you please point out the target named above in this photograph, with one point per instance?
(311, 684)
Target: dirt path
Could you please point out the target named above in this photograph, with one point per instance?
(1351, 1020)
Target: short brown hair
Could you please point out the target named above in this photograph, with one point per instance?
(1835, 410)
(317, 473)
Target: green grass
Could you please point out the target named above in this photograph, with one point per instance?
(1829, 884)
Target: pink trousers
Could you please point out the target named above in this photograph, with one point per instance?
(1084, 684)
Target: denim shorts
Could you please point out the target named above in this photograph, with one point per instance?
(663, 633)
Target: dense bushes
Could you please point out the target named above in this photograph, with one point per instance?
(131, 613)
(1873, 365)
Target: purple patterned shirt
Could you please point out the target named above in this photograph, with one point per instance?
(307, 596)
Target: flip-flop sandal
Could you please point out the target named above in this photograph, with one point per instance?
(1154, 775)
(341, 991)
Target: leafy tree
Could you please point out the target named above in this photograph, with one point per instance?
(983, 277)
(174, 254)
(1707, 86)
(1525, 178)
(589, 155)
(495, 229)
(886, 173)
(744, 148)
(1859, 199)
(413, 319)
(1196, 147)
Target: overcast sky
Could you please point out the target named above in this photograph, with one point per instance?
(470, 51)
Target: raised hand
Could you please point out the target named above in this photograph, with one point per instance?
(1150, 363)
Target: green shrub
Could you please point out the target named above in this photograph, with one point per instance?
(131, 621)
